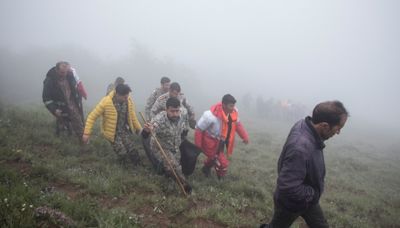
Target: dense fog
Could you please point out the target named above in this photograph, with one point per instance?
(266, 54)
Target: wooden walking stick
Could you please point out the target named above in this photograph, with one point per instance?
(166, 158)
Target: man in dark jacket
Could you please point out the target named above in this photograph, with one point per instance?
(301, 167)
(62, 99)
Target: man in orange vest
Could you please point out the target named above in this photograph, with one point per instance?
(216, 130)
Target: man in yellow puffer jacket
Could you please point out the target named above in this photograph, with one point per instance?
(119, 121)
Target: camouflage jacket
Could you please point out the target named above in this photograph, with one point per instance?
(167, 132)
(160, 105)
(110, 88)
(151, 100)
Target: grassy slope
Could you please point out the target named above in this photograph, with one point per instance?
(88, 185)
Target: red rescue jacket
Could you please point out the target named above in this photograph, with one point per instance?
(213, 126)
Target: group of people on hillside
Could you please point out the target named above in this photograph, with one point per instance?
(169, 116)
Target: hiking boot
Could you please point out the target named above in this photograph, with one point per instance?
(206, 170)
(188, 189)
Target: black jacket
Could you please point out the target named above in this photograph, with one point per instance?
(53, 96)
(301, 168)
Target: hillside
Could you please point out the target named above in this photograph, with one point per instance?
(47, 181)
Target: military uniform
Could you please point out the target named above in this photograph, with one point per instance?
(187, 111)
(123, 144)
(151, 100)
(110, 88)
(168, 134)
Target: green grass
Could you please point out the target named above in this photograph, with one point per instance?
(88, 184)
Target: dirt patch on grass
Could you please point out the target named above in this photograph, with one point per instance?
(182, 221)
(201, 222)
(73, 191)
(249, 212)
(157, 217)
(109, 202)
(24, 167)
(154, 218)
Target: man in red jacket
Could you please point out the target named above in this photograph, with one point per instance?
(215, 130)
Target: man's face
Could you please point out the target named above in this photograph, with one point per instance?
(173, 113)
(329, 131)
(228, 108)
(62, 70)
(173, 93)
(121, 98)
(165, 86)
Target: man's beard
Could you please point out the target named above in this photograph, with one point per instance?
(174, 119)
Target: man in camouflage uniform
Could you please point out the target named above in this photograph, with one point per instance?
(112, 86)
(119, 122)
(187, 112)
(168, 127)
(165, 83)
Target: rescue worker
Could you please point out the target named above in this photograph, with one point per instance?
(215, 131)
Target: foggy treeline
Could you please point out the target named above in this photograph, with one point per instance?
(22, 74)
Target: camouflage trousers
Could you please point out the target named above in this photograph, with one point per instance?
(124, 147)
(174, 160)
(72, 122)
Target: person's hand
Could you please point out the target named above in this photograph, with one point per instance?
(246, 141)
(58, 112)
(192, 123)
(147, 127)
(184, 134)
(85, 138)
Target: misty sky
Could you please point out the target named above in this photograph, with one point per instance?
(307, 51)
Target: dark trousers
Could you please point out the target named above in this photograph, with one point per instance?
(313, 216)
(69, 123)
